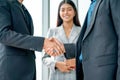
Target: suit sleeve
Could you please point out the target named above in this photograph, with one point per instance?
(11, 38)
(47, 59)
(115, 12)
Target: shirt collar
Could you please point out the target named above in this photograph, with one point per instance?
(93, 0)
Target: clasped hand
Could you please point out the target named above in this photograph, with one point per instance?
(53, 47)
(66, 66)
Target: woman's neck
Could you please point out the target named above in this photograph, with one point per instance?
(68, 25)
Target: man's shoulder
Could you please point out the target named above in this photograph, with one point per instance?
(7, 2)
(3, 3)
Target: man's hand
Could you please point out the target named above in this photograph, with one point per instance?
(53, 47)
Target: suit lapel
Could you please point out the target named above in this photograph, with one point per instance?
(61, 35)
(30, 23)
(73, 34)
(20, 7)
(92, 19)
(30, 28)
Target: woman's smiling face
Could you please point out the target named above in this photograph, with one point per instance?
(67, 13)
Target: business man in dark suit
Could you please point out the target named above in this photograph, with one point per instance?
(99, 43)
(17, 43)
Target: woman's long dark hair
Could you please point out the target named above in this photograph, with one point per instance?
(75, 19)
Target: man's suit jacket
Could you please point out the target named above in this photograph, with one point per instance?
(100, 43)
(17, 45)
(59, 33)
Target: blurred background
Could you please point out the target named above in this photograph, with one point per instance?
(44, 15)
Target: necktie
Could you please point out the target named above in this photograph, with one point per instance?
(91, 8)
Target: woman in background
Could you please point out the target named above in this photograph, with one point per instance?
(67, 31)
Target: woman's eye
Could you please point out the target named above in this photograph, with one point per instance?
(70, 9)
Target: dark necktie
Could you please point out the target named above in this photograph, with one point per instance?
(91, 8)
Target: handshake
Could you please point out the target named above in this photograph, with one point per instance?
(53, 47)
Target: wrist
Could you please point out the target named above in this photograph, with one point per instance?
(45, 42)
(56, 65)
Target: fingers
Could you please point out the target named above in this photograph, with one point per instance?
(69, 68)
(71, 63)
(62, 66)
(53, 47)
(57, 49)
(60, 46)
(50, 52)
